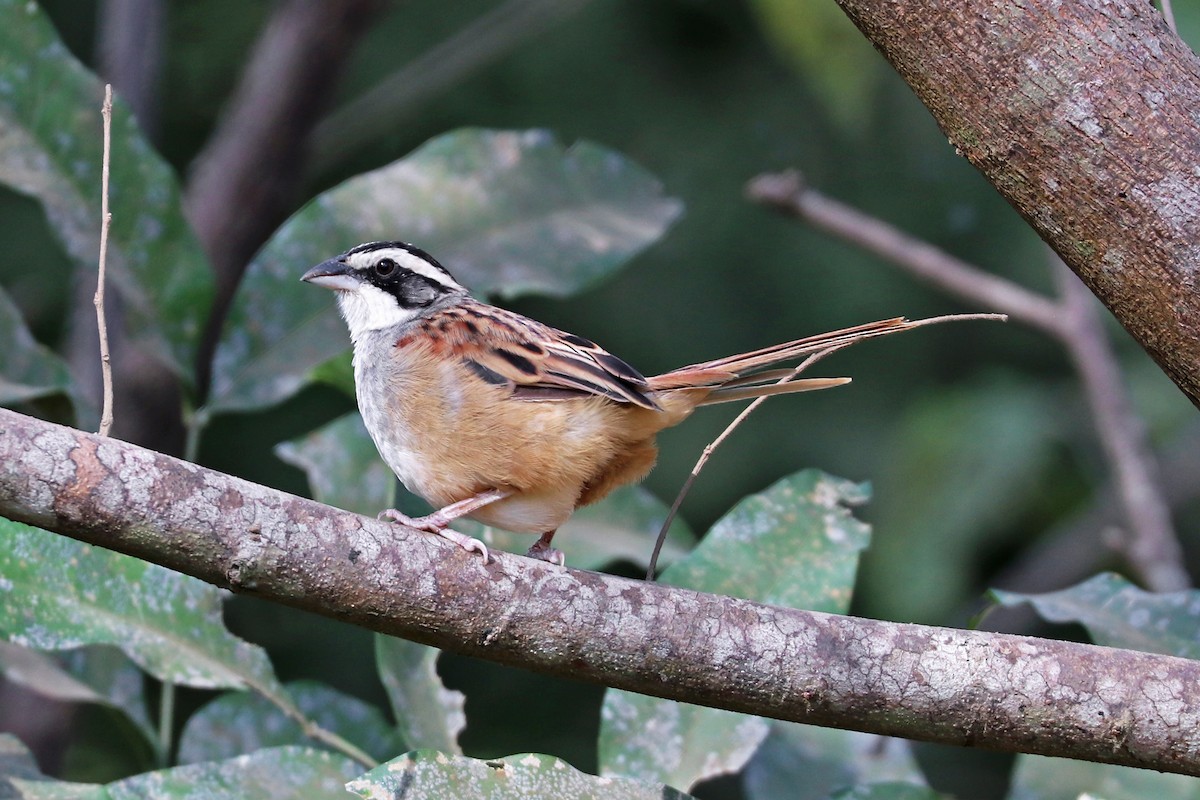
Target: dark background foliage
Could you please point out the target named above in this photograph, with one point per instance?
(975, 437)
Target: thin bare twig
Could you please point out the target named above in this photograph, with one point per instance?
(748, 410)
(106, 415)
(1152, 551)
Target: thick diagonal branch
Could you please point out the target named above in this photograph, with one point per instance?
(937, 684)
(1082, 115)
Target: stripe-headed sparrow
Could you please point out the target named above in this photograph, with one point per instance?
(491, 415)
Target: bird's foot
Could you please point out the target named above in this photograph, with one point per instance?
(542, 551)
(438, 523)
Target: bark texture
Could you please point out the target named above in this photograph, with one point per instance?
(1083, 116)
(937, 684)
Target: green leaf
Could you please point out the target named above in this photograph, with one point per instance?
(428, 715)
(240, 722)
(99, 674)
(890, 791)
(343, 467)
(1118, 614)
(797, 545)
(28, 370)
(50, 149)
(15, 761)
(56, 594)
(436, 776)
(804, 762)
(280, 773)
(508, 212)
(1042, 778)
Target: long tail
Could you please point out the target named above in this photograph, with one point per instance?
(740, 376)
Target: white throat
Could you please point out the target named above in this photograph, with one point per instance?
(367, 308)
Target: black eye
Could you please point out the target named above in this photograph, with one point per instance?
(385, 267)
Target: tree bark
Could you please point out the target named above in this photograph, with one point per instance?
(937, 684)
(1082, 115)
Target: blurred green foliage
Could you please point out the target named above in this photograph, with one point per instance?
(976, 437)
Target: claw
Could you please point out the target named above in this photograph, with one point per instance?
(542, 551)
(437, 524)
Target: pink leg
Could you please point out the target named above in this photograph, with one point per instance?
(542, 550)
(439, 521)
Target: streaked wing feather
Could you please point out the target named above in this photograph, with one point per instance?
(535, 361)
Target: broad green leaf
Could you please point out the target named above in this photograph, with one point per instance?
(15, 761)
(98, 674)
(1118, 614)
(1042, 778)
(830, 54)
(804, 762)
(430, 775)
(50, 149)
(343, 467)
(280, 773)
(241, 722)
(28, 370)
(508, 212)
(797, 545)
(428, 715)
(56, 594)
(889, 791)
(963, 465)
(344, 470)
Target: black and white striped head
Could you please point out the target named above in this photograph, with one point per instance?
(382, 284)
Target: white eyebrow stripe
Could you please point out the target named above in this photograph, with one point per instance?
(406, 259)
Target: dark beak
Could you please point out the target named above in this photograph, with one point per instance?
(332, 274)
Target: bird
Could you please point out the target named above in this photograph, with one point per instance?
(494, 416)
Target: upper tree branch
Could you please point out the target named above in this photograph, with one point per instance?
(1082, 115)
(961, 687)
(244, 182)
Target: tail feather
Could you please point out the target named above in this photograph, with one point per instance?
(733, 371)
(730, 394)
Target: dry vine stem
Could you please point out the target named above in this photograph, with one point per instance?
(106, 414)
(748, 410)
(988, 690)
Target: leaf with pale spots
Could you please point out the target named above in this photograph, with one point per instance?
(51, 149)
(57, 593)
(1042, 778)
(280, 773)
(894, 790)
(242, 722)
(804, 762)
(30, 371)
(98, 674)
(430, 775)
(343, 467)
(1118, 614)
(795, 544)
(428, 715)
(508, 212)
